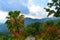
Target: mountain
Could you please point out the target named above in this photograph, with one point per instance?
(26, 22)
(29, 20)
(3, 27)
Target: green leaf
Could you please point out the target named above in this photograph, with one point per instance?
(54, 1)
(50, 12)
(47, 10)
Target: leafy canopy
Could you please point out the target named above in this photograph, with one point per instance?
(56, 4)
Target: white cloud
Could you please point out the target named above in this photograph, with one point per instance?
(50, 1)
(3, 15)
(36, 12)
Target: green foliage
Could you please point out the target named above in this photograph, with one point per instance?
(58, 23)
(14, 13)
(13, 20)
(57, 7)
(15, 24)
(46, 30)
(33, 28)
(49, 23)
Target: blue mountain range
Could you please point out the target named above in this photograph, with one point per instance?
(29, 20)
(26, 22)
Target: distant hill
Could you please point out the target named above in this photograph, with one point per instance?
(3, 27)
(26, 22)
(29, 20)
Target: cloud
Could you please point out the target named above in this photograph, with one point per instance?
(36, 11)
(41, 3)
(32, 8)
(3, 15)
(8, 5)
(50, 1)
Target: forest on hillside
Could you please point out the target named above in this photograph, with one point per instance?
(49, 30)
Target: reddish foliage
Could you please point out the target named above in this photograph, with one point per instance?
(13, 20)
(51, 28)
(17, 33)
(42, 33)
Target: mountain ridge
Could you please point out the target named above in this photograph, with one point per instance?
(27, 21)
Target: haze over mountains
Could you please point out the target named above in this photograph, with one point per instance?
(26, 22)
(29, 20)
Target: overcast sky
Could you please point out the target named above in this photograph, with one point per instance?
(30, 8)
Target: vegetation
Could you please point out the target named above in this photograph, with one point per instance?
(45, 31)
(48, 30)
(15, 24)
(56, 10)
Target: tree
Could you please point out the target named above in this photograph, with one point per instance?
(50, 23)
(56, 4)
(12, 19)
(51, 32)
(58, 23)
(15, 23)
(33, 29)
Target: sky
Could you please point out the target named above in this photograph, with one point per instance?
(29, 8)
